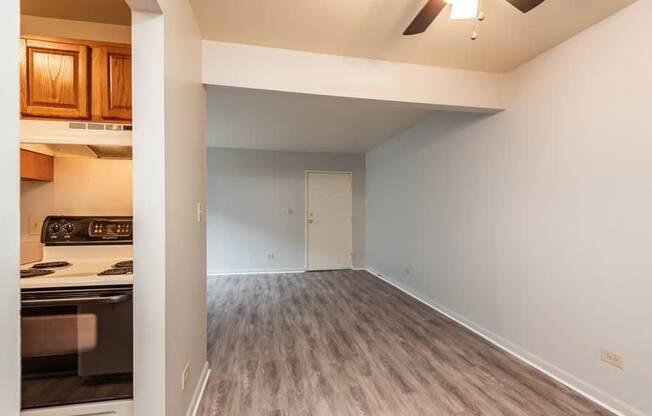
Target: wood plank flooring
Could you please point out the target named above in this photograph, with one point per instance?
(344, 343)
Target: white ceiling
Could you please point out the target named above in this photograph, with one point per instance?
(370, 28)
(100, 11)
(373, 28)
(268, 120)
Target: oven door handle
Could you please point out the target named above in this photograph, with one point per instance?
(82, 300)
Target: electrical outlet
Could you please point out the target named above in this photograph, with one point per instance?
(290, 211)
(35, 222)
(612, 358)
(185, 375)
(270, 256)
(408, 271)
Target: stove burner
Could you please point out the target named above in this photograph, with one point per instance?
(51, 265)
(116, 271)
(124, 264)
(34, 273)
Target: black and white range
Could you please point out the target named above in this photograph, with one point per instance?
(76, 313)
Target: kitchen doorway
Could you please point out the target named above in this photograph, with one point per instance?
(329, 229)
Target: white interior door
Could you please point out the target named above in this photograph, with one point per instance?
(329, 210)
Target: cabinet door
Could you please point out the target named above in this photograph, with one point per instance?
(54, 79)
(111, 83)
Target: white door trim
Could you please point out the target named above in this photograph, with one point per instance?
(305, 208)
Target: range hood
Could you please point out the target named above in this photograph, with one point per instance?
(84, 151)
(75, 133)
(106, 151)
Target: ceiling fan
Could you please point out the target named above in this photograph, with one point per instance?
(462, 9)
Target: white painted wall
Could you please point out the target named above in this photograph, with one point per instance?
(249, 195)
(185, 160)
(247, 66)
(9, 211)
(148, 75)
(169, 180)
(45, 26)
(81, 186)
(533, 225)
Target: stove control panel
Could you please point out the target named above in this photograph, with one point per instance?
(110, 228)
(62, 230)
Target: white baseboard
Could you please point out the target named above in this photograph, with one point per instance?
(583, 388)
(199, 391)
(219, 273)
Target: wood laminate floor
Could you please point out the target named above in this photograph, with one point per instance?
(344, 343)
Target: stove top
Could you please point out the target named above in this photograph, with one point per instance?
(116, 271)
(50, 265)
(82, 252)
(93, 270)
(27, 273)
(124, 264)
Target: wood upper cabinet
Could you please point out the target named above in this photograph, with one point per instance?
(112, 83)
(54, 79)
(75, 79)
(36, 166)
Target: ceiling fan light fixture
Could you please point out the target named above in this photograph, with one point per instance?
(463, 9)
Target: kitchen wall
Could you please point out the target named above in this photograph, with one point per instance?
(169, 190)
(81, 186)
(250, 193)
(45, 26)
(9, 212)
(533, 225)
(150, 344)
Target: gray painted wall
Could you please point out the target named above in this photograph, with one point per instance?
(249, 195)
(534, 225)
(169, 170)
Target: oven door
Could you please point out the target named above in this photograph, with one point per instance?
(76, 346)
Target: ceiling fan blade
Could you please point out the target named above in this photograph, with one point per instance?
(425, 17)
(525, 5)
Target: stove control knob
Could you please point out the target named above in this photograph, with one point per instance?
(54, 228)
(68, 228)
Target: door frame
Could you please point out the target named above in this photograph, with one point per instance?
(10, 210)
(305, 210)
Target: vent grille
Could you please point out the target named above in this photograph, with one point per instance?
(99, 126)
